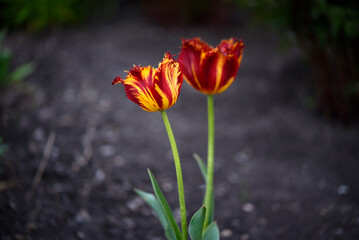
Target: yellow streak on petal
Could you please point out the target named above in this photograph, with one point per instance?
(173, 74)
(165, 101)
(170, 72)
(202, 57)
(146, 101)
(145, 74)
(224, 87)
(203, 54)
(219, 70)
(145, 98)
(195, 78)
(150, 102)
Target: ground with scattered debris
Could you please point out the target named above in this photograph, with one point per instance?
(77, 146)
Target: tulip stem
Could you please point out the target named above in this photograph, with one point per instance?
(178, 174)
(210, 162)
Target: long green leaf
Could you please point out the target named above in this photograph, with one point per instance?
(170, 235)
(166, 208)
(202, 166)
(211, 232)
(196, 225)
(151, 200)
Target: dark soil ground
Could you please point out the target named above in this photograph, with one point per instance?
(282, 170)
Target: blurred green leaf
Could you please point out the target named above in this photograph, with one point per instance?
(321, 34)
(22, 15)
(318, 7)
(21, 72)
(3, 147)
(336, 15)
(5, 57)
(7, 77)
(195, 229)
(211, 232)
(38, 15)
(2, 35)
(352, 28)
(151, 200)
(201, 166)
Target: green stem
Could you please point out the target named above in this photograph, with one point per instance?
(210, 161)
(178, 174)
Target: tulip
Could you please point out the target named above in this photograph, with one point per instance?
(153, 89)
(207, 69)
(157, 90)
(210, 71)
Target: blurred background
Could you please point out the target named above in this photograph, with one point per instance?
(72, 147)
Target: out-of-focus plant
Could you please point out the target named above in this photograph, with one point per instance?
(187, 12)
(38, 15)
(328, 32)
(6, 76)
(3, 147)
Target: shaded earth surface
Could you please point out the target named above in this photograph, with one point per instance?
(282, 171)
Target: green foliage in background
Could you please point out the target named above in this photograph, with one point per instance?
(328, 22)
(36, 15)
(39, 15)
(328, 32)
(6, 76)
(3, 147)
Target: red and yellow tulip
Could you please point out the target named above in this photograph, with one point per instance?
(153, 89)
(207, 69)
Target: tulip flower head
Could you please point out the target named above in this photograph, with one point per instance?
(207, 69)
(153, 89)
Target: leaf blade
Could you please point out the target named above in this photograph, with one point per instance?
(151, 200)
(203, 169)
(196, 224)
(166, 208)
(211, 232)
(201, 165)
(21, 72)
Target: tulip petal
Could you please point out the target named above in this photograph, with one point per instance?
(189, 65)
(169, 81)
(116, 80)
(153, 89)
(139, 88)
(207, 69)
(229, 71)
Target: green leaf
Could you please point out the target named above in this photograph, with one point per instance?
(4, 67)
(211, 232)
(151, 200)
(3, 147)
(170, 235)
(352, 28)
(165, 207)
(2, 35)
(201, 165)
(21, 72)
(203, 168)
(196, 225)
